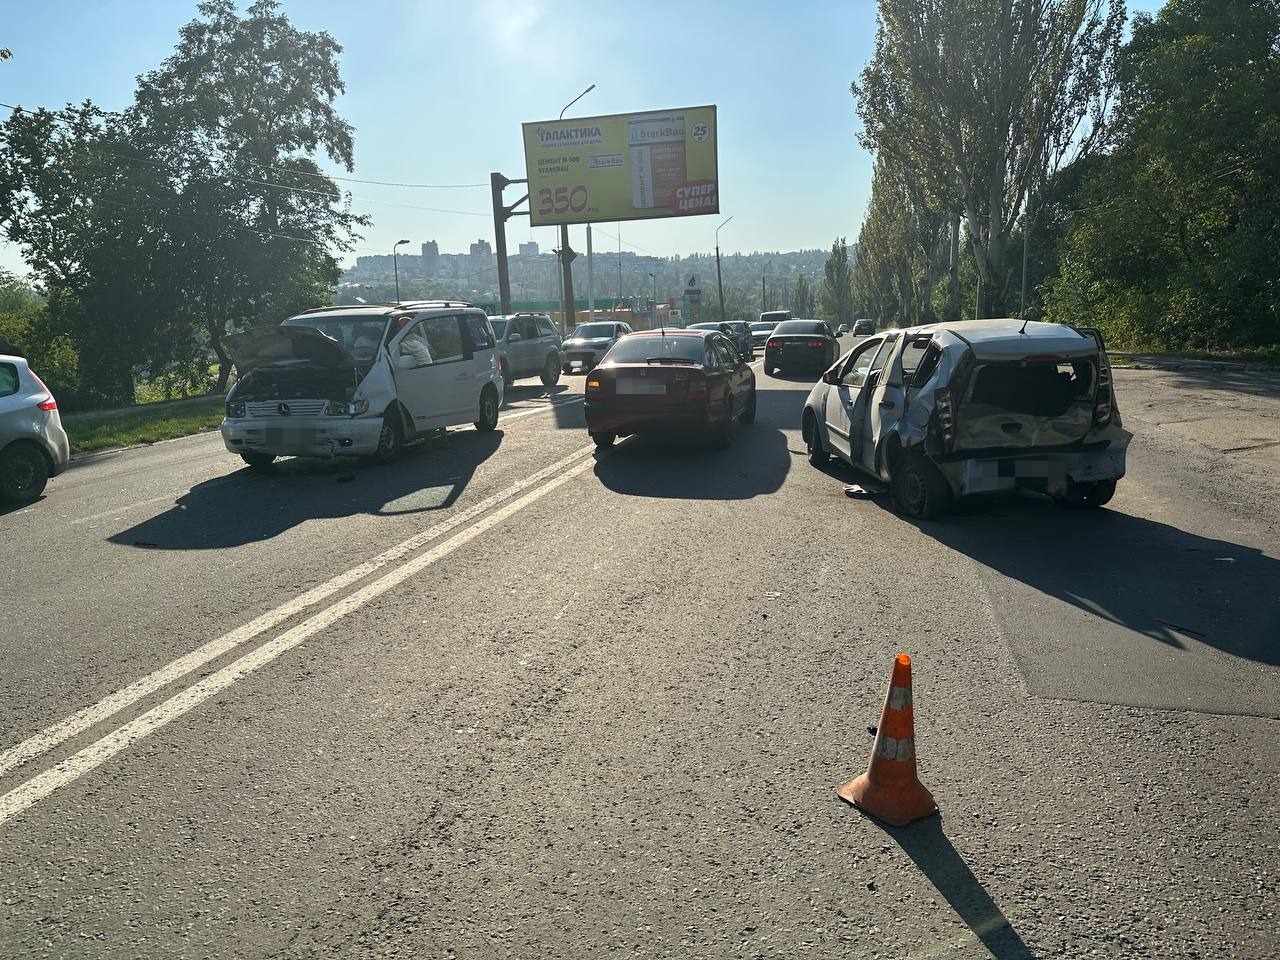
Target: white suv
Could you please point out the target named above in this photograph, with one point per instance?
(360, 381)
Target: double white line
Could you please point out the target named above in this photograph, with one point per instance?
(78, 764)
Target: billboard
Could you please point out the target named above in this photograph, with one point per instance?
(628, 166)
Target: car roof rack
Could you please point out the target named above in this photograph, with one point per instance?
(341, 306)
(419, 304)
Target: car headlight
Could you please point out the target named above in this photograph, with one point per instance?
(339, 408)
(235, 409)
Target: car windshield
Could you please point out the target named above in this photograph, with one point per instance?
(499, 327)
(593, 331)
(800, 326)
(360, 333)
(659, 349)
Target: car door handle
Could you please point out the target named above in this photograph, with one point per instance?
(886, 404)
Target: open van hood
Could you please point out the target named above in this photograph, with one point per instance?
(263, 346)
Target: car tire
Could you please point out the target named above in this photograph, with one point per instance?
(919, 490)
(818, 455)
(507, 379)
(24, 472)
(551, 372)
(390, 439)
(748, 415)
(604, 441)
(1089, 496)
(259, 462)
(488, 410)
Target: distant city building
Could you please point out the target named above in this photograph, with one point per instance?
(529, 249)
(430, 259)
(482, 259)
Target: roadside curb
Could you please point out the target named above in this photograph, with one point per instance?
(1147, 361)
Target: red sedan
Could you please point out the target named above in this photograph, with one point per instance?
(677, 381)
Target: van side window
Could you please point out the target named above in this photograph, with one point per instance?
(8, 379)
(480, 332)
(527, 329)
(545, 328)
(444, 335)
(415, 345)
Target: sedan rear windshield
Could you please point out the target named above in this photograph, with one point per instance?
(801, 326)
(593, 331)
(679, 348)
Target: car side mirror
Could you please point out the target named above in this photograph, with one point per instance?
(830, 377)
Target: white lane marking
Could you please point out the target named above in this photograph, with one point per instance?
(83, 719)
(542, 409)
(78, 764)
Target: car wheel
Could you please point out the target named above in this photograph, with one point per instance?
(551, 372)
(23, 473)
(604, 441)
(506, 375)
(748, 415)
(488, 410)
(919, 489)
(818, 455)
(389, 439)
(260, 462)
(1089, 496)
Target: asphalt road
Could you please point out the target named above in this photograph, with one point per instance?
(512, 699)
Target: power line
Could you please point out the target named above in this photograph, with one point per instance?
(282, 186)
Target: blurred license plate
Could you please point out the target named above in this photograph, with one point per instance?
(650, 387)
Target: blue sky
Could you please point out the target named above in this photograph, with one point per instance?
(437, 91)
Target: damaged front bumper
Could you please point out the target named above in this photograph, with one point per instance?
(1051, 472)
(303, 436)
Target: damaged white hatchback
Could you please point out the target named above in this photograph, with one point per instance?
(976, 406)
(360, 381)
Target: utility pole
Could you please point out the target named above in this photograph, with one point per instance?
(764, 302)
(501, 214)
(565, 252)
(719, 279)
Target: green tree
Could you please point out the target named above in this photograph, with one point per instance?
(1178, 238)
(835, 297)
(803, 301)
(985, 98)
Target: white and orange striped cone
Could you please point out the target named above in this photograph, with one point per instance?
(890, 790)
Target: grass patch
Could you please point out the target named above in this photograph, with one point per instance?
(143, 425)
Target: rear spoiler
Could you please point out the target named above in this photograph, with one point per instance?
(1093, 332)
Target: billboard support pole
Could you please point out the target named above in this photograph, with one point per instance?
(566, 279)
(591, 281)
(501, 214)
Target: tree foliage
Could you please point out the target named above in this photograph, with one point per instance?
(835, 297)
(1177, 241)
(803, 300)
(198, 210)
(977, 101)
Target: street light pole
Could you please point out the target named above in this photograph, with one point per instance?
(567, 254)
(719, 281)
(395, 265)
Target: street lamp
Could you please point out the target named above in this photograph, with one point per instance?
(566, 255)
(395, 265)
(720, 282)
(656, 315)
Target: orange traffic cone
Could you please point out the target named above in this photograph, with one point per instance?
(890, 790)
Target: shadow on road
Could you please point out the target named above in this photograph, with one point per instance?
(533, 390)
(756, 464)
(247, 507)
(933, 853)
(1147, 576)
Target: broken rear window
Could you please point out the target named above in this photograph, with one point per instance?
(1039, 389)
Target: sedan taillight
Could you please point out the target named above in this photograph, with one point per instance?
(697, 389)
(1102, 398)
(48, 403)
(817, 343)
(595, 386)
(774, 344)
(946, 415)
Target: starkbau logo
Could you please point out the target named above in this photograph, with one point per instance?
(569, 136)
(696, 196)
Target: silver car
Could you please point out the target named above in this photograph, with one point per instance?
(976, 406)
(589, 342)
(33, 445)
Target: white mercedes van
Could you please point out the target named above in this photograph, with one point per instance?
(360, 381)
